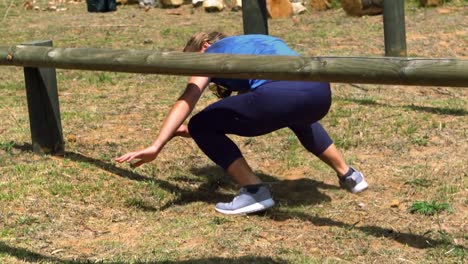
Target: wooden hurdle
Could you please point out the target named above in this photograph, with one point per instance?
(40, 60)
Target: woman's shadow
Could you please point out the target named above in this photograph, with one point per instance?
(296, 192)
(217, 187)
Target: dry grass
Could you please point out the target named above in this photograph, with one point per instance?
(411, 142)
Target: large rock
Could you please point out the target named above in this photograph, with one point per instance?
(279, 8)
(197, 3)
(237, 5)
(171, 3)
(144, 3)
(431, 2)
(298, 8)
(213, 5)
(362, 7)
(320, 5)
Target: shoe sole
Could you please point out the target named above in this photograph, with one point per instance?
(360, 187)
(256, 207)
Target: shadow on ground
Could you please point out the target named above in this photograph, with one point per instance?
(30, 256)
(291, 193)
(408, 239)
(428, 109)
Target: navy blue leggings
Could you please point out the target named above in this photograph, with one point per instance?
(272, 106)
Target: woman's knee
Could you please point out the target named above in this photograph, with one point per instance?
(196, 124)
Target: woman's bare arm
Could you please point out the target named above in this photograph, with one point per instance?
(174, 119)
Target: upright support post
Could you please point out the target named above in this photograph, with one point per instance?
(255, 17)
(394, 28)
(43, 106)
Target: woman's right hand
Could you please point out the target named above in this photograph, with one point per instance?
(182, 131)
(141, 156)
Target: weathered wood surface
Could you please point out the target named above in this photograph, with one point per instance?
(375, 70)
(255, 17)
(43, 107)
(394, 28)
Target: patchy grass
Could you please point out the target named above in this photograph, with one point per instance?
(82, 207)
(428, 208)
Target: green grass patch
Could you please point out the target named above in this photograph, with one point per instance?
(7, 146)
(428, 208)
(13, 86)
(420, 141)
(26, 220)
(420, 182)
(219, 220)
(6, 232)
(61, 188)
(101, 78)
(365, 101)
(71, 116)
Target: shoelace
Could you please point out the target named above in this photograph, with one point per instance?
(242, 191)
(351, 180)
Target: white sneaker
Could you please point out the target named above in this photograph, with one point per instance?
(247, 202)
(355, 182)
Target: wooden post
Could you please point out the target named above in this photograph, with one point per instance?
(255, 17)
(394, 28)
(43, 106)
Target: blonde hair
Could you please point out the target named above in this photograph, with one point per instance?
(195, 43)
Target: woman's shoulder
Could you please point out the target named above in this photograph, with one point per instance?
(246, 40)
(249, 44)
(251, 37)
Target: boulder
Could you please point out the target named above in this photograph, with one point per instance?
(213, 5)
(142, 3)
(197, 3)
(171, 3)
(279, 8)
(320, 5)
(298, 8)
(237, 6)
(431, 2)
(362, 7)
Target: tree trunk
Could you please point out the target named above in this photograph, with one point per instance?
(362, 7)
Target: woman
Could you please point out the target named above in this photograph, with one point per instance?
(266, 107)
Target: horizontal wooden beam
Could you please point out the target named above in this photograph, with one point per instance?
(371, 70)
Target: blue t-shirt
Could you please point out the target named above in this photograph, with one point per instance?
(248, 45)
